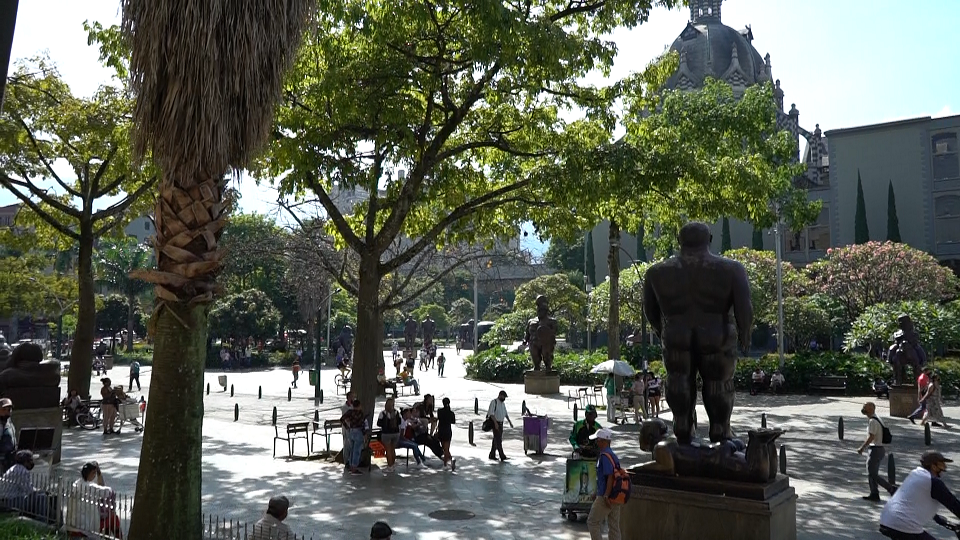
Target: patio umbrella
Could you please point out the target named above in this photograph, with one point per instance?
(617, 367)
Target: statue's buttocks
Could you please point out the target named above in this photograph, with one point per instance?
(26, 368)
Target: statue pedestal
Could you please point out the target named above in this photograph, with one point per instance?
(541, 382)
(50, 417)
(764, 512)
(903, 400)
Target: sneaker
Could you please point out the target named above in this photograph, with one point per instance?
(875, 497)
(418, 465)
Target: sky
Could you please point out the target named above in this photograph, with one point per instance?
(843, 63)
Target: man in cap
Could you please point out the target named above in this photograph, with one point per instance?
(8, 436)
(16, 487)
(602, 508)
(582, 430)
(918, 499)
(381, 531)
(497, 411)
(271, 526)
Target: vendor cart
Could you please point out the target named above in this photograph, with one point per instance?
(535, 433)
(579, 488)
(130, 412)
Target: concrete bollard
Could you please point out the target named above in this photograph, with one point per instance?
(783, 459)
(840, 428)
(321, 396)
(289, 394)
(236, 412)
(891, 470)
(523, 408)
(231, 390)
(763, 420)
(274, 416)
(208, 389)
(470, 434)
(259, 392)
(575, 412)
(926, 434)
(316, 415)
(476, 405)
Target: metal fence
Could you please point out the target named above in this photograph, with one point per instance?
(100, 512)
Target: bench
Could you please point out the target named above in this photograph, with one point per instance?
(294, 431)
(825, 383)
(330, 428)
(38, 440)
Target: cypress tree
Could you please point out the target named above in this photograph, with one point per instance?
(641, 249)
(893, 223)
(861, 234)
(725, 236)
(591, 260)
(757, 239)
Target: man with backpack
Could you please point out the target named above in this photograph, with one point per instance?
(877, 436)
(613, 489)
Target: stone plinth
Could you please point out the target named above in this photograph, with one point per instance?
(33, 398)
(541, 382)
(658, 512)
(50, 417)
(903, 400)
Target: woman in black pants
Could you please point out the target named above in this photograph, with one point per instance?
(446, 420)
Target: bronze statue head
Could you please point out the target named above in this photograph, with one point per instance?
(651, 433)
(695, 235)
(543, 305)
(27, 354)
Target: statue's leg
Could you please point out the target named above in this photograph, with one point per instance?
(536, 355)
(681, 392)
(717, 371)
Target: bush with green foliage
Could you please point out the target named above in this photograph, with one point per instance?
(16, 529)
(938, 326)
(249, 314)
(436, 312)
(497, 365)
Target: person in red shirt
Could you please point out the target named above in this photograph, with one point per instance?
(296, 373)
(922, 381)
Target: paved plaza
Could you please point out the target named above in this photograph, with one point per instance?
(519, 499)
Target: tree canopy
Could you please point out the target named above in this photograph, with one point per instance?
(248, 314)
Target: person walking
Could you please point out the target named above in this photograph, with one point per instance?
(603, 508)
(296, 372)
(389, 424)
(874, 442)
(445, 421)
(611, 387)
(934, 403)
(922, 382)
(134, 376)
(440, 363)
(497, 412)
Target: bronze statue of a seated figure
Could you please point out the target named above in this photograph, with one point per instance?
(26, 368)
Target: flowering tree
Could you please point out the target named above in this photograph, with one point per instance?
(938, 325)
(631, 298)
(761, 269)
(860, 276)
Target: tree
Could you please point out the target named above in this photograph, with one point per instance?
(112, 316)
(249, 314)
(938, 325)
(861, 233)
(725, 244)
(860, 276)
(452, 97)
(804, 319)
(591, 260)
(199, 116)
(461, 311)
(43, 123)
(631, 298)
(564, 256)
(435, 312)
(27, 289)
(566, 301)
(114, 265)
(756, 242)
(761, 267)
(893, 222)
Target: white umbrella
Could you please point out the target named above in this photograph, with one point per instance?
(617, 367)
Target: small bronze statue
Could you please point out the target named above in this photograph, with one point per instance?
(26, 368)
(726, 460)
(906, 351)
(428, 326)
(687, 299)
(541, 335)
(409, 333)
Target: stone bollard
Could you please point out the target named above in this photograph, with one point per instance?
(783, 459)
(274, 416)
(321, 396)
(208, 389)
(470, 434)
(289, 394)
(236, 412)
(926, 434)
(231, 390)
(575, 412)
(476, 405)
(259, 392)
(891, 470)
(840, 428)
(523, 407)
(763, 420)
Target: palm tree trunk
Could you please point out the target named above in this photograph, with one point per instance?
(368, 345)
(81, 355)
(171, 443)
(130, 304)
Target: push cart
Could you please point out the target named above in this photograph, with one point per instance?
(535, 433)
(130, 412)
(579, 488)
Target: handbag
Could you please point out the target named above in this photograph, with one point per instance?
(487, 424)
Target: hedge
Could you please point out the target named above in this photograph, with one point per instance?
(497, 365)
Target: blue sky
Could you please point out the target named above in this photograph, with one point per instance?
(844, 63)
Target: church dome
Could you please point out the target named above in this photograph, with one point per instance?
(708, 48)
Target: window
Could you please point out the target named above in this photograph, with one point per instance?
(146, 225)
(819, 232)
(945, 161)
(795, 241)
(947, 214)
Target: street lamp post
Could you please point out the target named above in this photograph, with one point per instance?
(778, 237)
(476, 316)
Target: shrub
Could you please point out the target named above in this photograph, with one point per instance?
(145, 357)
(497, 365)
(937, 325)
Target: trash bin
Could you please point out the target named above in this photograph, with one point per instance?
(535, 433)
(314, 375)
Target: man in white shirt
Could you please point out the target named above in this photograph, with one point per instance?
(271, 526)
(497, 411)
(777, 381)
(918, 499)
(874, 442)
(87, 498)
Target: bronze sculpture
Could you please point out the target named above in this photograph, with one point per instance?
(26, 368)
(906, 351)
(428, 326)
(687, 299)
(726, 460)
(541, 335)
(409, 333)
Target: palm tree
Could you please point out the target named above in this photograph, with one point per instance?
(117, 260)
(207, 77)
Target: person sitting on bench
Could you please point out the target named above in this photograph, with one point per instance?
(407, 377)
(407, 436)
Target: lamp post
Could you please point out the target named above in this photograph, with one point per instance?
(587, 286)
(329, 307)
(476, 317)
(778, 238)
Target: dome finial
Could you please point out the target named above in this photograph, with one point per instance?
(703, 9)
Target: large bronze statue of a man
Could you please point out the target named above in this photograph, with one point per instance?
(428, 326)
(687, 299)
(409, 333)
(541, 335)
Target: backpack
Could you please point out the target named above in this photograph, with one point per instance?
(620, 492)
(887, 437)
